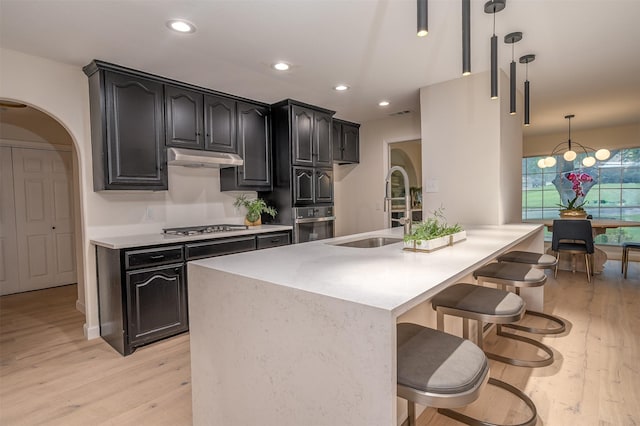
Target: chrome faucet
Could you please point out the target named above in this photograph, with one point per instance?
(406, 220)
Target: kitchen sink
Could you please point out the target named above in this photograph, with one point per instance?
(370, 242)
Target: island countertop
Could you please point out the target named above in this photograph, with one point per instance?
(306, 334)
(386, 277)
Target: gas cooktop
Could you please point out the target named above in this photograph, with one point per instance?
(203, 229)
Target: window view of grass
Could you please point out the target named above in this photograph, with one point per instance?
(615, 194)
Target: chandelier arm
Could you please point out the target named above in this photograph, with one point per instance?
(585, 148)
(555, 149)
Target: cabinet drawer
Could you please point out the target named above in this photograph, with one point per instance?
(220, 247)
(149, 257)
(273, 240)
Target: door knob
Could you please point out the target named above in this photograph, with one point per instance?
(53, 227)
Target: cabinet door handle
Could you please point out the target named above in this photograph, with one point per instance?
(275, 240)
(157, 257)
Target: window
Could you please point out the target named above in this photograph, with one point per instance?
(615, 193)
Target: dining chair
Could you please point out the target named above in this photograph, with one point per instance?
(626, 247)
(573, 236)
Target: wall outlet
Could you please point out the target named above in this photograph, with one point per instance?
(148, 214)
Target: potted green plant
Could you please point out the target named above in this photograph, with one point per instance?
(433, 233)
(255, 208)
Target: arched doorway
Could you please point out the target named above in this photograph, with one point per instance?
(39, 221)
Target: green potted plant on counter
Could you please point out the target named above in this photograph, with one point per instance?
(255, 208)
(433, 233)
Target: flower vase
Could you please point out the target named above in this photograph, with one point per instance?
(573, 214)
(257, 222)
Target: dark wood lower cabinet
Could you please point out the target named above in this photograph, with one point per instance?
(142, 295)
(157, 303)
(142, 292)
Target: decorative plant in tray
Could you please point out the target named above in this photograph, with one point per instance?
(255, 208)
(433, 233)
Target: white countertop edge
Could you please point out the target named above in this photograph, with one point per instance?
(313, 278)
(145, 240)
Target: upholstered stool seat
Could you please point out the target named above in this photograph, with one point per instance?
(518, 270)
(510, 274)
(626, 247)
(440, 370)
(536, 260)
(491, 306)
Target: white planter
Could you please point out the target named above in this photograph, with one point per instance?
(436, 243)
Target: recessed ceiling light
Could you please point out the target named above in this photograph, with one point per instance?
(383, 103)
(181, 26)
(341, 87)
(281, 66)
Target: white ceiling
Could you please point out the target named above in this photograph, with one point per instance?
(587, 52)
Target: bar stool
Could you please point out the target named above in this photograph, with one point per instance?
(491, 306)
(626, 247)
(441, 370)
(533, 260)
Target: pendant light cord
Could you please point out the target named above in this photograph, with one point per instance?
(494, 19)
(569, 118)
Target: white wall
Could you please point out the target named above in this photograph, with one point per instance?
(61, 91)
(359, 188)
(471, 151)
(612, 137)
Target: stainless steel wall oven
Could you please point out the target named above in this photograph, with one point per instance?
(313, 223)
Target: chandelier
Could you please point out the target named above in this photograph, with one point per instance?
(570, 155)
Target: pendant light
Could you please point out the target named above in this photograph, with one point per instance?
(570, 155)
(526, 59)
(512, 39)
(494, 6)
(466, 37)
(423, 14)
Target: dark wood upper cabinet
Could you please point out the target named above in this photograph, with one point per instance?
(310, 137)
(254, 146)
(199, 121)
(127, 130)
(346, 142)
(302, 156)
(302, 135)
(184, 122)
(303, 180)
(323, 186)
(220, 124)
(322, 139)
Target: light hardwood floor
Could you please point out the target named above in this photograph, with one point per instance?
(51, 375)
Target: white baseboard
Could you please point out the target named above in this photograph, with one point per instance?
(80, 306)
(91, 332)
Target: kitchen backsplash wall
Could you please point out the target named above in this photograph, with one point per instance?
(193, 198)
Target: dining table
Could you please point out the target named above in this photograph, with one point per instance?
(599, 227)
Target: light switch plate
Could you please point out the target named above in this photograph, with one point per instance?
(432, 185)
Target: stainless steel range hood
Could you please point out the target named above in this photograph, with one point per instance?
(194, 158)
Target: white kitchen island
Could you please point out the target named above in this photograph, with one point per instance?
(306, 334)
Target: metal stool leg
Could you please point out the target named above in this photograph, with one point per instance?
(561, 325)
(509, 388)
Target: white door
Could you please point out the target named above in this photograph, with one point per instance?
(9, 279)
(44, 223)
